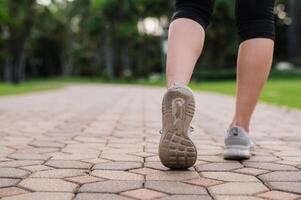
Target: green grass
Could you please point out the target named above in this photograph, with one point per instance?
(27, 87)
(281, 92)
(278, 91)
(38, 85)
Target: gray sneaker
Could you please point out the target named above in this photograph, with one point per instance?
(238, 145)
(176, 150)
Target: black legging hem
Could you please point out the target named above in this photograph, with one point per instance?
(190, 15)
(264, 29)
(255, 18)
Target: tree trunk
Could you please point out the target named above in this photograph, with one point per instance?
(126, 62)
(140, 62)
(109, 53)
(293, 31)
(7, 70)
(15, 62)
(67, 65)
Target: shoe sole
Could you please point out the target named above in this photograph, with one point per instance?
(237, 152)
(176, 150)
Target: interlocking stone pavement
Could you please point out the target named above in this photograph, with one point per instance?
(87, 142)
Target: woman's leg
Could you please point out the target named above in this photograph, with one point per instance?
(255, 22)
(185, 44)
(253, 66)
(186, 39)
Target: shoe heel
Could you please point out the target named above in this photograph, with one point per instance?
(176, 150)
(237, 152)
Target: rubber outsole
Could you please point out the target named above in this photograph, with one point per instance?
(237, 153)
(176, 150)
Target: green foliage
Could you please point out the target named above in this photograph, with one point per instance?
(93, 37)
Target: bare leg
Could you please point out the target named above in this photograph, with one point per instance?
(185, 44)
(253, 66)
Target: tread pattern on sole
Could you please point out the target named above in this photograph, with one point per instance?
(176, 150)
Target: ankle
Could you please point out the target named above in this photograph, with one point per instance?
(244, 124)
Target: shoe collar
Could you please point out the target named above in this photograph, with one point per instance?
(236, 130)
(177, 85)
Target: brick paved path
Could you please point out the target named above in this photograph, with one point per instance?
(100, 142)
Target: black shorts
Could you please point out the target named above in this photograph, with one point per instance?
(254, 18)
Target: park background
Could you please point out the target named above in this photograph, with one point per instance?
(48, 44)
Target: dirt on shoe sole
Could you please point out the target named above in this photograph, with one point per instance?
(176, 150)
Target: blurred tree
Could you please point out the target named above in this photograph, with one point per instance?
(47, 39)
(117, 22)
(222, 40)
(17, 18)
(293, 30)
(101, 38)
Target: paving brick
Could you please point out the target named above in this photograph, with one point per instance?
(281, 176)
(11, 191)
(206, 182)
(79, 150)
(277, 195)
(5, 150)
(28, 156)
(37, 150)
(232, 188)
(118, 165)
(210, 152)
(143, 154)
(286, 186)
(20, 163)
(68, 164)
(90, 139)
(229, 176)
(122, 157)
(42, 195)
(96, 160)
(111, 186)
(155, 165)
(64, 156)
(39, 143)
(6, 182)
(2, 159)
(213, 159)
(219, 166)
(116, 175)
(13, 173)
(152, 159)
(288, 153)
(35, 168)
(91, 196)
(143, 194)
(118, 136)
(172, 176)
(58, 173)
(20, 146)
(48, 185)
(174, 187)
(232, 197)
(263, 159)
(144, 171)
(270, 166)
(190, 197)
(251, 171)
(83, 179)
